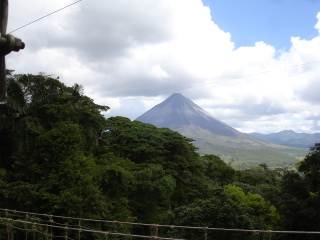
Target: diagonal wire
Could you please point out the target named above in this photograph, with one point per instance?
(222, 80)
(46, 16)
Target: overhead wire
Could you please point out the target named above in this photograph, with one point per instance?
(181, 89)
(45, 16)
(224, 80)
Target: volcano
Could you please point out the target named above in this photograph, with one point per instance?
(213, 136)
(178, 111)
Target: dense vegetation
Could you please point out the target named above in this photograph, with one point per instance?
(245, 151)
(60, 156)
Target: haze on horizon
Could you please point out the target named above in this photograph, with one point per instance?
(252, 66)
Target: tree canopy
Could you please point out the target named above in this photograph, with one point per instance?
(310, 167)
(60, 155)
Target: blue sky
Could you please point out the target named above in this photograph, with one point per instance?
(271, 21)
(233, 58)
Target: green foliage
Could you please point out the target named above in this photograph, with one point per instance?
(36, 104)
(261, 180)
(299, 208)
(245, 153)
(145, 144)
(51, 131)
(220, 211)
(300, 195)
(152, 195)
(262, 208)
(217, 170)
(310, 166)
(59, 155)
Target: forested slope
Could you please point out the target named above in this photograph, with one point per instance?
(60, 156)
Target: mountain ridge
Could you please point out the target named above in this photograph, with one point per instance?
(213, 136)
(290, 138)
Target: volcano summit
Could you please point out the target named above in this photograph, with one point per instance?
(178, 111)
(213, 136)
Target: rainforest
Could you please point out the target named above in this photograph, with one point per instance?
(59, 155)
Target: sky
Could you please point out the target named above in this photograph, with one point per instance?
(254, 65)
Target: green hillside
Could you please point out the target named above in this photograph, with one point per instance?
(243, 151)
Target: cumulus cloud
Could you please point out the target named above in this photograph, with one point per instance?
(158, 72)
(132, 54)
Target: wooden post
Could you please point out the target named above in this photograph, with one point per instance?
(3, 30)
(8, 43)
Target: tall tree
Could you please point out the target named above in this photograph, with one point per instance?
(310, 167)
(220, 211)
(48, 138)
(299, 207)
(217, 170)
(145, 144)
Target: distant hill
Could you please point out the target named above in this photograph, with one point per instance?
(290, 138)
(213, 136)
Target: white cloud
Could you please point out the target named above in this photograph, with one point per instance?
(127, 52)
(158, 72)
